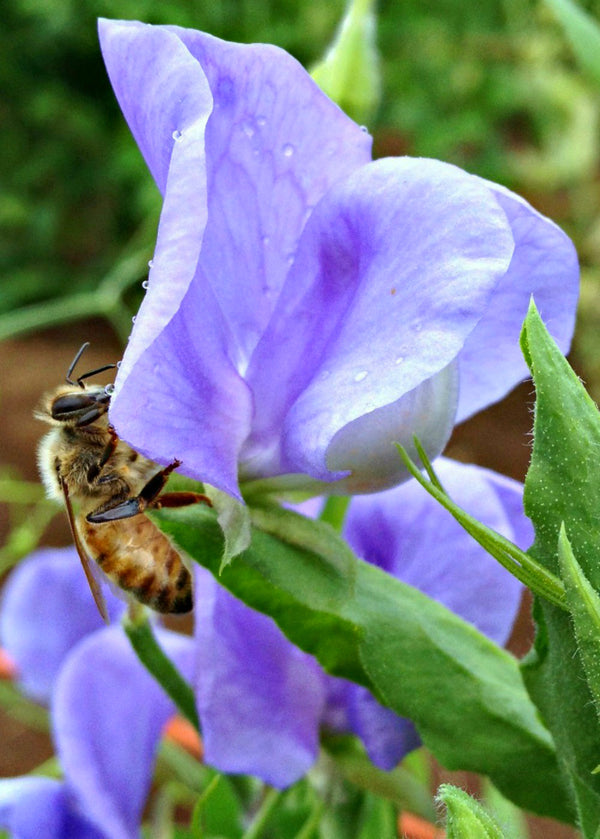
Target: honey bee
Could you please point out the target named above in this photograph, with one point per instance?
(106, 486)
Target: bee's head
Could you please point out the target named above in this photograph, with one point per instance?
(74, 406)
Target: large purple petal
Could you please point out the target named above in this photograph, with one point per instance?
(411, 536)
(395, 267)
(260, 699)
(33, 807)
(108, 714)
(544, 265)
(271, 148)
(47, 607)
(387, 737)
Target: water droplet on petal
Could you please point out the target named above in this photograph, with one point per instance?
(145, 284)
(288, 150)
(150, 263)
(364, 129)
(361, 375)
(119, 364)
(133, 318)
(109, 390)
(177, 135)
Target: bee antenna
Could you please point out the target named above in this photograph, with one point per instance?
(85, 375)
(80, 352)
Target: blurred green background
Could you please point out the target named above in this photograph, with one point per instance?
(491, 86)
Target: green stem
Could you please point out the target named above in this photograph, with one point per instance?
(312, 823)
(334, 511)
(520, 564)
(161, 667)
(263, 814)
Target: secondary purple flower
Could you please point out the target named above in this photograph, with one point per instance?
(107, 712)
(38, 639)
(307, 306)
(262, 702)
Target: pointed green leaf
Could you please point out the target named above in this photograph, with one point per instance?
(465, 817)
(350, 72)
(583, 33)
(562, 486)
(584, 604)
(465, 694)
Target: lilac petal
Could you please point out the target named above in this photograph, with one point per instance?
(395, 267)
(411, 536)
(32, 807)
(275, 144)
(166, 100)
(387, 737)
(544, 265)
(108, 715)
(47, 607)
(260, 699)
(270, 150)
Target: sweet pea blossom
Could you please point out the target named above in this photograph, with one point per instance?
(308, 306)
(262, 702)
(107, 712)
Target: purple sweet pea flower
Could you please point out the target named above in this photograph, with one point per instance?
(32, 807)
(38, 639)
(107, 712)
(262, 702)
(307, 306)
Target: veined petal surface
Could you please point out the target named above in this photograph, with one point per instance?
(108, 714)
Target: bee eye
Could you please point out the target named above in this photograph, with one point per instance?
(82, 408)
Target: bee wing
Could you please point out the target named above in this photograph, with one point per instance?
(83, 556)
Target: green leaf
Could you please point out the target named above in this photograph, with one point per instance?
(465, 817)
(465, 695)
(350, 72)
(234, 518)
(584, 604)
(583, 34)
(562, 486)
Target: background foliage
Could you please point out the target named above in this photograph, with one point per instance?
(491, 87)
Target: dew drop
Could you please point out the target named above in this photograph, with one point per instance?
(177, 135)
(288, 150)
(133, 318)
(364, 129)
(119, 365)
(361, 375)
(145, 283)
(109, 390)
(150, 263)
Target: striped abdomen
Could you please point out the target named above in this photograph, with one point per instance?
(140, 559)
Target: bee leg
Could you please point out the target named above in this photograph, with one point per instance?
(132, 506)
(180, 499)
(108, 452)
